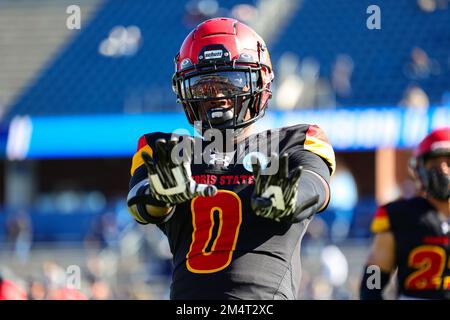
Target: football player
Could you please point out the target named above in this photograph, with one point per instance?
(413, 235)
(234, 217)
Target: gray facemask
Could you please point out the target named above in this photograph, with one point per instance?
(437, 184)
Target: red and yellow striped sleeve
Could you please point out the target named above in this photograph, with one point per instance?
(137, 158)
(317, 142)
(380, 222)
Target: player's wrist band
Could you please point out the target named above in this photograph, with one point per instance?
(140, 195)
(138, 198)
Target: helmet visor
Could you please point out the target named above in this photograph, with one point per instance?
(222, 84)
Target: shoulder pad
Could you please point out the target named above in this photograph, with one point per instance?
(381, 221)
(146, 143)
(317, 142)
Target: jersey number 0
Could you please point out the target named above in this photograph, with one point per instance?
(212, 251)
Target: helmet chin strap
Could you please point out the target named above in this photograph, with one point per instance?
(224, 129)
(223, 118)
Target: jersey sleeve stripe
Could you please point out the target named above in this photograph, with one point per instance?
(142, 142)
(322, 149)
(137, 158)
(380, 222)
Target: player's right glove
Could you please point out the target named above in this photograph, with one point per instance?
(275, 195)
(170, 178)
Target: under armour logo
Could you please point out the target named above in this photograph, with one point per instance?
(221, 159)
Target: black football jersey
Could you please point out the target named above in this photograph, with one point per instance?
(422, 247)
(221, 249)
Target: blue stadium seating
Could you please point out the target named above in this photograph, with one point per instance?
(81, 81)
(324, 29)
(78, 80)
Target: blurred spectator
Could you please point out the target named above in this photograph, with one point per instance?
(198, 11)
(308, 72)
(244, 12)
(290, 85)
(321, 289)
(10, 290)
(414, 97)
(56, 280)
(427, 5)
(326, 97)
(37, 289)
(121, 42)
(299, 84)
(19, 231)
(288, 93)
(100, 290)
(68, 200)
(64, 293)
(341, 75)
(54, 275)
(431, 5)
(420, 65)
(335, 271)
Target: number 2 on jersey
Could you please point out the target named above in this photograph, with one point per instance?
(212, 251)
(430, 262)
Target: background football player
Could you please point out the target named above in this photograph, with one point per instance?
(234, 226)
(414, 235)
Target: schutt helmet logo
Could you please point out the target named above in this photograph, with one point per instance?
(213, 54)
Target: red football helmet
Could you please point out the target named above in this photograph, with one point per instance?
(223, 74)
(433, 181)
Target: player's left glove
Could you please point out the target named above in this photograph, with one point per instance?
(170, 176)
(275, 195)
